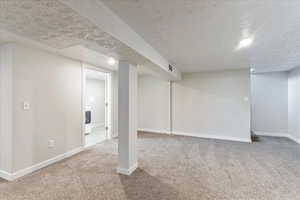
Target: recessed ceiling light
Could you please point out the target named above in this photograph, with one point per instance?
(245, 42)
(111, 61)
(252, 69)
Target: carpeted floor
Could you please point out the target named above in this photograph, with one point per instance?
(171, 168)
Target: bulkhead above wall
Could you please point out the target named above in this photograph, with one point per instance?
(62, 25)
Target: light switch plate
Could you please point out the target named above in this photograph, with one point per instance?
(26, 105)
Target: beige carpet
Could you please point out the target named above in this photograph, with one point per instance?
(171, 168)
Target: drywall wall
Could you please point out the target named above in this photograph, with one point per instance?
(153, 104)
(114, 101)
(6, 107)
(41, 109)
(52, 85)
(269, 103)
(127, 139)
(294, 103)
(213, 104)
(207, 104)
(95, 100)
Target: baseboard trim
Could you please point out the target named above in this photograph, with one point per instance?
(154, 131)
(33, 168)
(207, 136)
(5, 175)
(272, 134)
(98, 125)
(294, 139)
(217, 137)
(129, 171)
(277, 134)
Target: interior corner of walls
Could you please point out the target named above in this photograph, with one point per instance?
(292, 137)
(297, 140)
(35, 167)
(6, 176)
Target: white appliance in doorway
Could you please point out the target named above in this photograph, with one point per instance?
(88, 120)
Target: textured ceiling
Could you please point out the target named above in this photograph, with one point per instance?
(200, 35)
(54, 24)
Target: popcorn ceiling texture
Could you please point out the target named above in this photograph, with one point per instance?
(52, 23)
(199, 35)
(194, 35)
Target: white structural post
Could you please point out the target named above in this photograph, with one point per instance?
(6, 111)
(127, 122)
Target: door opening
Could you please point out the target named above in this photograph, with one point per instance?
(96, 107)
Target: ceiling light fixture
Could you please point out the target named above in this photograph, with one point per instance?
(252, 69)
(111, 61)
(245, 42)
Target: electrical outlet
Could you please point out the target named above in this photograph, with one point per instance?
(51, 143)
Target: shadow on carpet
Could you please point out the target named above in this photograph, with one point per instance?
(141, 185)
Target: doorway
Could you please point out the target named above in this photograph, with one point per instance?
(96, 104)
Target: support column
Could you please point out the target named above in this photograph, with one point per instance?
(6, 111)
(127, 120)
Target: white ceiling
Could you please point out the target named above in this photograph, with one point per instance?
(77, 52)
(54, 26)
(200, 35)
(52, 23)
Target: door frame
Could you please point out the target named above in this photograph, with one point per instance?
(108, 100)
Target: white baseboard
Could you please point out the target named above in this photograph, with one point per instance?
(129, 171)
(210, 136)
(277, 134)
(5, 175)
(23, 172)
(272, 134)
(115, 135)
(294, 139)
(154, 131)
(98, 125)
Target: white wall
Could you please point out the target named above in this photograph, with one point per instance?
(207, 104)
(95, 100)
(213, 104)
(269, 103)
(115, 105)
(53, 87)
(153, 104)
(294, 103)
